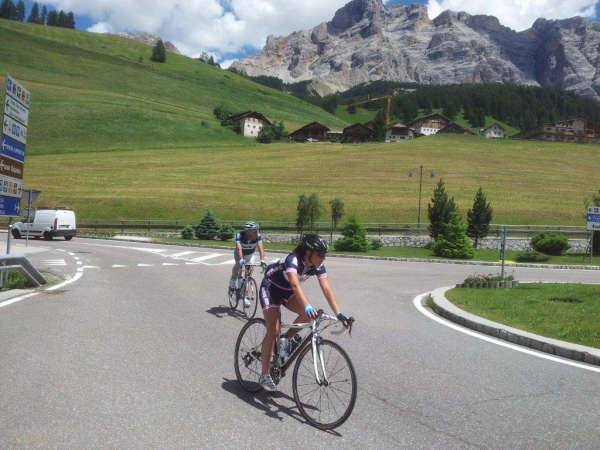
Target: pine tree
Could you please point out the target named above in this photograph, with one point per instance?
(337, 212)
(208, 228)
(355, 237)
(4, 9)
(479, 217)
(62, 18)
(21, 11)
(70, 21)
(159, 54)
(52, 20)
(302, 214)
(452, 241)
(439, 210)
(44, 16)
(379, 127)
(34, 15)
(314, 210)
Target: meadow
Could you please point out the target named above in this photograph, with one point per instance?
(527, 182)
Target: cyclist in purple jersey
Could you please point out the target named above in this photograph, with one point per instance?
(281, 286)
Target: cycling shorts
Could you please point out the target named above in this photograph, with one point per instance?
(272, 296)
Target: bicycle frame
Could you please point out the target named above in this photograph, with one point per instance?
(314, 337)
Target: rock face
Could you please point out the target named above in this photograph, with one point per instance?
(367, 41)
(150, 39)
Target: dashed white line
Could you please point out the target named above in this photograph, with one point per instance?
(180, 254)
(169, 264)
(206, 257)
(145, 265)
(118, 266)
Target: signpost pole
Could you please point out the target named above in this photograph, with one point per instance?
(592, 248)
(8, 236)
(28, 216)
(503, 250)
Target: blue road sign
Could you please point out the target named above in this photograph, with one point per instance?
(13, 149)
(10, 206)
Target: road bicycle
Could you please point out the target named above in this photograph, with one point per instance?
(323, 380)
(245, 292)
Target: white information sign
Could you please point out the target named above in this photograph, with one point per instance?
(14, 129)
(593, 218)
(17, 91)
(10, 187)
(15, 110)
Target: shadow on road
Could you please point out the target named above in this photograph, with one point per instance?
(225, 311)
(265, 401)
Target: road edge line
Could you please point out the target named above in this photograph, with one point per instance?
(418, 303)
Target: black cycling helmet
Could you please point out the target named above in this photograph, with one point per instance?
(316, 243)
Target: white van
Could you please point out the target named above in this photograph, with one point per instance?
(48, 223)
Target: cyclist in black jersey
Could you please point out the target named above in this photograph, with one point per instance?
(281, 286)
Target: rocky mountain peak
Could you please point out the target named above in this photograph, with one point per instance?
(367, 41)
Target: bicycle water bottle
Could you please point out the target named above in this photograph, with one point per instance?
(283, 349)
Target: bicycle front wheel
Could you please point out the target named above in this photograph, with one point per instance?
(248, 351)
(329, 404)
(250, 299)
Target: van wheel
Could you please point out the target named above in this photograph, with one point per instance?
(16, 233)
(47, 236)
(68, 238)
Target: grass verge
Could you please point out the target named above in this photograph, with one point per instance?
(568, 312)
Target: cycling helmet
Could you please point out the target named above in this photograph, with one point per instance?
(251, 226)
(316, 243)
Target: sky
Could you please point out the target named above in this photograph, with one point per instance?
(232, 29)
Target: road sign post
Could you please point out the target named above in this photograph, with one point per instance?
(13, 143)
(593, 225)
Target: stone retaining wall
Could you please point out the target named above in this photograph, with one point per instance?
(519, 244)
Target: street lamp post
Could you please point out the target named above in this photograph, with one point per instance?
(410, 174)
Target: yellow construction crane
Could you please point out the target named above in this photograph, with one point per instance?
(388, 99)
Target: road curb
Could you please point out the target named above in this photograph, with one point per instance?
(374, 258)
(443, 307)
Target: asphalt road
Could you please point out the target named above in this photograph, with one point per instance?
(138, 353)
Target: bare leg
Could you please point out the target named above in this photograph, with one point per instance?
(273, 320)
(295, 305)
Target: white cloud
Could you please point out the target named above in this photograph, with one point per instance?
(101, 27)
(517, 14)
(226, 64)
(220, 26)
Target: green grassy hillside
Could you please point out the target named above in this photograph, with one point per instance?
(527, 182)
(98, 92)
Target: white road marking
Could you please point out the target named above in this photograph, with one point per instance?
(91, 267)
(228, 262)
(169, 264)
(206, 257)
(192, 264)
(17, 299)
(61, 250)
(79, 263)
(180, 254)
(71, 254)
(55, 262)
(418, 302)
(118, 266)
(145, 265)
(73, 279)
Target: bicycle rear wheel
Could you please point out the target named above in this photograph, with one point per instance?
(326, 405)
(250, 301)
(248, 349)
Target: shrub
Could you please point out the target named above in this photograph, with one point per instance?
(550, 244)
(376, 244)
(188, 232)
(355, 237)
(532, 256)
(226, 232)
(208, 228)
(452, 241)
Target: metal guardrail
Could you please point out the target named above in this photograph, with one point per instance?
(23, 265)
(324, 227)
